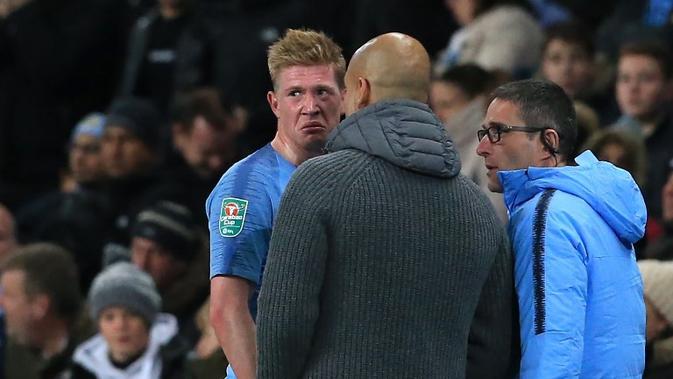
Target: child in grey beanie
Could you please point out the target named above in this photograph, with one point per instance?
(125, 305)
(125, 285)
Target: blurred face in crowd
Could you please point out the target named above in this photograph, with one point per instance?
(86, 164)
(447, 100)
(567, 65)
(514, 150)
(463, 10)
(155, 260)
(125, 333)
(206, 148)
(7, 233)
(613, 153)
(21, 310)
(641, 86)
(307, 102)
(123, 153)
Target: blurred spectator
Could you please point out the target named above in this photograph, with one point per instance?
(132, 149)
(135, 341)
(498, 35)
(77, 217)
(132, 138)
(60, 60)
(168, 246)
(85, 163)
(150, 60)
(7, 233)
(658, 280)
(226, 48)
(644, 95)
(79, 222)
(41, 300)
(204, 130)
(621, 149)
(568, 58)
(458, 99)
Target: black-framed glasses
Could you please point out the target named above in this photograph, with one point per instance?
(494, 131)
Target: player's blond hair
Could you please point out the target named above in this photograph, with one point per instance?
(305, 48)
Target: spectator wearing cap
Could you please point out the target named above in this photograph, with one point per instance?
(167, 244)
(132, 137)
(132, 149)
(135, 341)
(658, 281)
(84, 158)
(77, 216)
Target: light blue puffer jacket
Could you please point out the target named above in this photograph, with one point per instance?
(580, 292)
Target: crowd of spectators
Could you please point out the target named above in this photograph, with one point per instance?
(117, 118)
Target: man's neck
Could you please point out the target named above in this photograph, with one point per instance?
(292, 153)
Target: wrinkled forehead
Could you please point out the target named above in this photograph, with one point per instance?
(306, 76)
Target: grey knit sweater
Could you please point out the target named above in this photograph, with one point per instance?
(385, 262)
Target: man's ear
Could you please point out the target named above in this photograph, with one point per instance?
(40, 306)
(364, 90)
(551, 140)
(273, 102)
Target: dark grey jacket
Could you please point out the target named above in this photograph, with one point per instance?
(385, 262)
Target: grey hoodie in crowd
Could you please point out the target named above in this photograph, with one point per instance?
(385, 262)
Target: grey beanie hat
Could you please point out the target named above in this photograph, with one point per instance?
(125, 285)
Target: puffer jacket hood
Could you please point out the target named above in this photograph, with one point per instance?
(403, 132)
(620, 203)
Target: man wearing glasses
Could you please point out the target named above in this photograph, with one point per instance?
(572, 228)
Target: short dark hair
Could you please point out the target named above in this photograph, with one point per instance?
(207, 102)
(50, 270)
(573, 32)
(470, 78)
(544, 104)
(653, 49)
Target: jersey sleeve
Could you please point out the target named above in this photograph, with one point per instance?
(239, 223)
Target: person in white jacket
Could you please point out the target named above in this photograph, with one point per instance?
(134, 340)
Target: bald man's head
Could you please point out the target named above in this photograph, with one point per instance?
(390, 66)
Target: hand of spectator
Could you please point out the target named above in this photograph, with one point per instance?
(9, 6)
(207, 345)
(667, 200)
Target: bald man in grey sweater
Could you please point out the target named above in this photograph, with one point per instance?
(384, 261)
